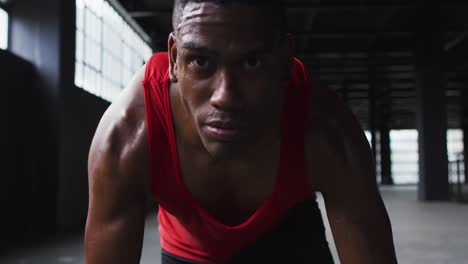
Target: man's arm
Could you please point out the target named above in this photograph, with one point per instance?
(341, 168)
(118, 180)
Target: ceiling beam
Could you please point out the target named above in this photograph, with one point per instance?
(366, 4)
(319, 6)
(347, 34)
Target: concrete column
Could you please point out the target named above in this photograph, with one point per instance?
(385, 155)
(344, 92)
(465, 150)
(465, 127)
(431, 107)
(372, 102)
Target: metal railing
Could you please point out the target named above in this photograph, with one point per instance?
(457, 181)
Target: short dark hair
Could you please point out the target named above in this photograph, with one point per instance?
(277, 6)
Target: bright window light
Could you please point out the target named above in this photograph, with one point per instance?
(405, 156)
(455, 150)
(108, 50)
(3, 29)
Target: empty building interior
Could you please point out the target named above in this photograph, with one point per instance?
(399, 65)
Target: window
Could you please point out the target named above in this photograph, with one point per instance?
(455, 153)
(108, 50)
(454, 143)
(405, 156)
(3, 29)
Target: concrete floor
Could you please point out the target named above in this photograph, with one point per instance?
(423, 232)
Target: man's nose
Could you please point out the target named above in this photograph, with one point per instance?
(226, 94)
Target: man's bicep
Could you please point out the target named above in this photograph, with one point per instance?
(361, 228)
(344, 174)
(118, 180)
(118, 156)
(111, 192)
(352, 199)
(356, 212)
(115, 223)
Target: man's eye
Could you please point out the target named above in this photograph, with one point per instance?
(200, 62)
(252, 63)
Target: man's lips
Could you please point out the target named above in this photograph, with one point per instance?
(224, 124)
(223, 131)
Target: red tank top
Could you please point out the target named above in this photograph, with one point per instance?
(186, 229)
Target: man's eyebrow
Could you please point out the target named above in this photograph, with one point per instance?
(256, 50)
(197, 47)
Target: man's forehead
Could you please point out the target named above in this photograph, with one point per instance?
(226, 43)
(196, 12)
(209, 13)
(209, 25)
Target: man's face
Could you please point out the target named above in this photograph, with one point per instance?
(231, 67)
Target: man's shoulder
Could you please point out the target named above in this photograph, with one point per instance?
(325, 106)
(119, 145)
(325, 124)
(127, 113)
(335, 141)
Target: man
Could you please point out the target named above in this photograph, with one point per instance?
(231, 138)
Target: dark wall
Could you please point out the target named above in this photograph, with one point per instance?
(18, 155)
(82, 114)
(34, 37)
(52, 140)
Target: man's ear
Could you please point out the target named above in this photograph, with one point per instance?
(172, 53)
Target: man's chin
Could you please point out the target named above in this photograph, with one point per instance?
(224, 150)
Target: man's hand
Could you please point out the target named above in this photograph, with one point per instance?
(341, 168)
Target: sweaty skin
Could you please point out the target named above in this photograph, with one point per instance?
(228, 69)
